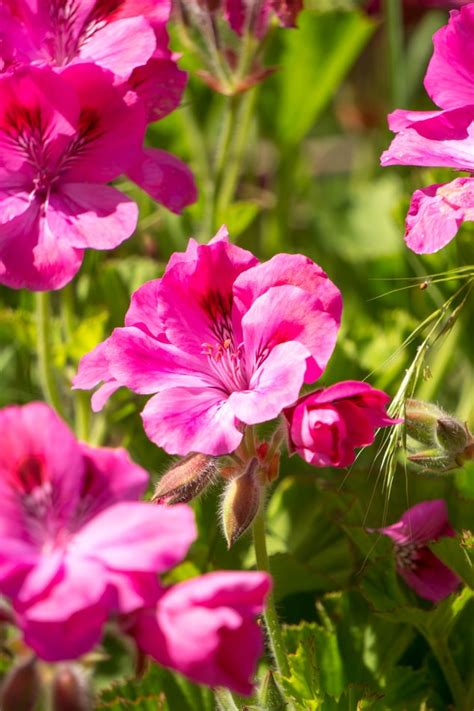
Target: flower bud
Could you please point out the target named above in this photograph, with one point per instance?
(21, 688)
(452, 434)
(434, 460)
(185, 480)
(70, 690)
(270, 695)
(241, 503)
(420, 421)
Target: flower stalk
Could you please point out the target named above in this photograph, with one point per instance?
(45, 352)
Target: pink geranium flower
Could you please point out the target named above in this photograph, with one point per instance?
(75, 545)
(440, 138)
(205, 628)
(422, 524)
(326, 426)
(241, 15)
(62, 138)
(223, 340)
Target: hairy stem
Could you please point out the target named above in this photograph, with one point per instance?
(442, 653)
(225, 700)
(270, 615)
(394, 24)
(45, 352)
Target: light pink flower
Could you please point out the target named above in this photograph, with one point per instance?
(75, 545)
(324, 427)
(205, 628)
(423, 523)
(223, 340)
(61, 139)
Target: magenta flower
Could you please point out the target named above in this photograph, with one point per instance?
(440, 138)
(75, 545)
(223, 340)
(423, 523)
(61, 139)
(241, 15)
(205, 628)
(324, 427)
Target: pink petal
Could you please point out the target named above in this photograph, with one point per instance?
(163, 176)
(113, 123)
(422, 523)
(137, 537)
(110, 476)
(449, 78)
(288, 313)
(89, 215)
(143, 309)
(273, 386)
(94, 368)
(103, 394)
(291, 269)
(183, 420)
(437, 212)
(146, 365)
(32, 257)
(205, 628)
(120, 46)
(445, 140)
(160, 85)
(133, 591)
(236, 13)
(430, 578)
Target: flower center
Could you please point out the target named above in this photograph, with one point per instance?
(407, 555)
(227, 362)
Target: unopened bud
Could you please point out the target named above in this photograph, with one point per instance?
(185, 480)
(241, 503)
(452, 434)
(21, 688)
(70, 690)
(435, 460)
(420, 421)
(270, 695)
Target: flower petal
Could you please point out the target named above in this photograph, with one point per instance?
(183, 420)
(166, 178)
(430, 578)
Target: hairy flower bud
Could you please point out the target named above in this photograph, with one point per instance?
(241, 503)
(452, 434)
(270, 695)
(185, 480)
(21, 688)
(70, 690)
(434, 460)
(420, 421)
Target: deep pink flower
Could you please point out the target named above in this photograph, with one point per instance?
(449, 78)
(61, 139)
(324, 427)
(75, 545)
(423, 523)
(205, 628)
(223, 340)
(440, 138)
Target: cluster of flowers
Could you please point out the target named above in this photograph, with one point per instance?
(443, 138)
(79, 550)
(80, 80)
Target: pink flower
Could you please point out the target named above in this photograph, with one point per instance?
(223, 340)
(440, 138)
(205, 628)
(240, 15)
(75, 545)
(324, 427)
(419, 567)
(61, 139)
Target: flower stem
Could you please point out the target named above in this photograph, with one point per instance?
(81, 399)
(394, 24)
(270, 615)
(225, 700)
(45, 352)
(441, 651)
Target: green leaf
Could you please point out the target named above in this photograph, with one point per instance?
(457, 557)
(315, 60)
(158, 690)
(239, 216)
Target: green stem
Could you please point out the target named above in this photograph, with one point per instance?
(225, 700)
(396, 52)
(81, 399)
(270, 615)
(45, 351)
(441, 651)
